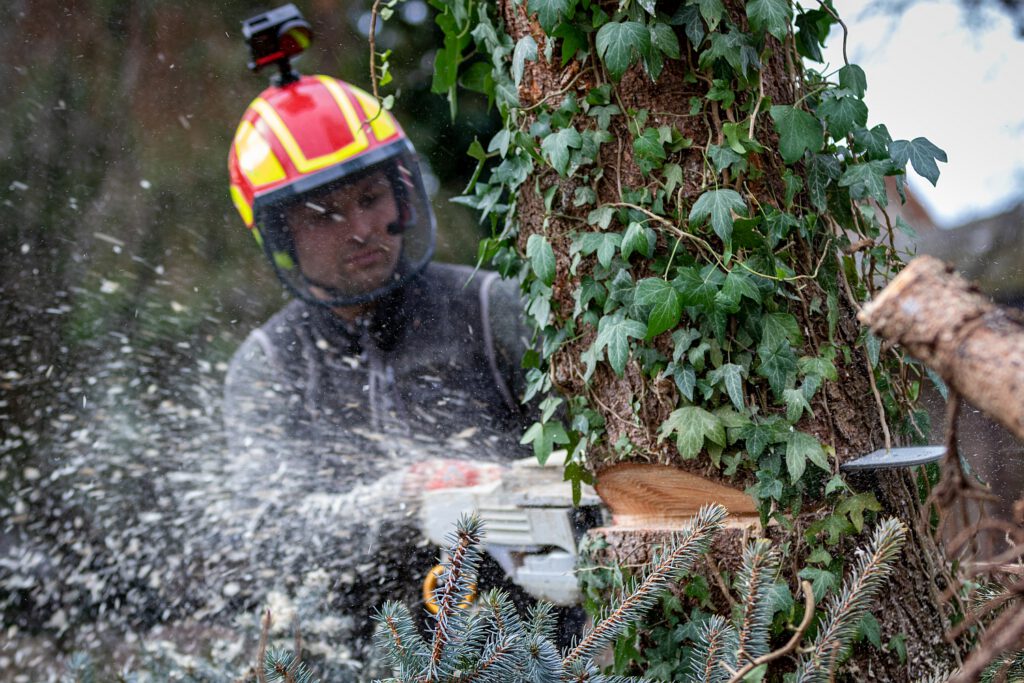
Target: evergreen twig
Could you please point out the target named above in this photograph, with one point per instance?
(756, 577)
(808, 592)
(694, 541)
(845, 611)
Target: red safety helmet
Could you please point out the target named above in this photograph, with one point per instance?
(310, 138)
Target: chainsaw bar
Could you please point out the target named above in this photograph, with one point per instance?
(897, 457)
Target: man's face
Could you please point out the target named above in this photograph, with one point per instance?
(342, 238)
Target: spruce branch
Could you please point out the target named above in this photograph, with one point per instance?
(845, 611)
(756, 578)
(459, 577)
(692, 542)
(285, 667)
(400, 641)
(808, 592)
(715, 648)
(540, 620)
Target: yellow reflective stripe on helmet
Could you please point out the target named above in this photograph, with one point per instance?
(255, 156)
(382, 123)
(303, 164)
(242, 206)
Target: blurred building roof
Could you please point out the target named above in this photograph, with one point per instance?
(989, 251)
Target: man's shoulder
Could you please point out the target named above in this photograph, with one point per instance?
(280, 331)
(470, 280)
(285, 323)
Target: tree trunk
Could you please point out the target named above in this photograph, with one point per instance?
(847, 416)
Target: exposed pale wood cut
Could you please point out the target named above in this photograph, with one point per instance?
(653, 496)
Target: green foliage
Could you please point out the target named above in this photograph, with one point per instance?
(686, 643)
(718, 285)
(493, 643)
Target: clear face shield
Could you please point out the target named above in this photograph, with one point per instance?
(352, 239)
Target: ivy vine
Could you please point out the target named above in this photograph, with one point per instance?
(698, 276)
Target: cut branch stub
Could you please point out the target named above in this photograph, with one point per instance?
(975, 346)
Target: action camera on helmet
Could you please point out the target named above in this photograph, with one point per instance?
(275, 37)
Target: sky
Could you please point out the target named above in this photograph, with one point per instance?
(938, 73)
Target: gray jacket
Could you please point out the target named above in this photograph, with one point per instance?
(324, 419)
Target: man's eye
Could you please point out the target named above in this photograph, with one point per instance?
(368, 199)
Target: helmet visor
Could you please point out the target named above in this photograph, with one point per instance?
(354, 238)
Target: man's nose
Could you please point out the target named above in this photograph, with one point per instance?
(357, 226)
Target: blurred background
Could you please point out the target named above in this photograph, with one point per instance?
(127, 280)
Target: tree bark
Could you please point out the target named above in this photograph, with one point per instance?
(943, 321)
(846, 415)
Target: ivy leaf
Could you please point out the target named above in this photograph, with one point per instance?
(823, 169)
(819, 365)
(556, 148)
(526, 50)
(756, 438)
(719, 206)
(688, 16)
(870, 628)
(648, 5)
(601, 217)
(875, 142)
(664, 39)
(549, 12)
(573, 40)
(843, 114)
(922, 155)
(822, 581)
(683, 339)
(650, 151)
(663, 301)
(738, 285)
(730, 376)
(698, 288)
(777, 365)
(603, 243)
(542, 258)
(613, 334)
(855, 506)
(685, 379)
(712, 11)
(779, 328)
(772, 16)
(673, 177)
(867, 180)
(853, 79)
(620, 44)
(576, 474)
(604, 113)
(800, 448)
(639, 239)
(692, 425)
(543, 436)
(796, 404)
(798, 132)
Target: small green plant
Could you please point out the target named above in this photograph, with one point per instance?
(494, 644)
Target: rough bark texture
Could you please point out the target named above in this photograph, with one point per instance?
(975, 346)
(845, 416)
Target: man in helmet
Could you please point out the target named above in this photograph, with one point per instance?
(386, 375)
(379, 341)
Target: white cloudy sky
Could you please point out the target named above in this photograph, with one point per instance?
(930, 73)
